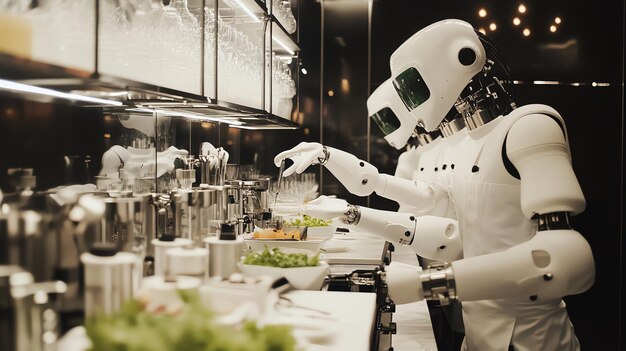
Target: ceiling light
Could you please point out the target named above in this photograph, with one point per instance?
(493, 26)
(521, 8)
(526, 32)
(516, 21)
(546, 82)
(557, 20)
(482, 13)
(482, 30)
(553, 28)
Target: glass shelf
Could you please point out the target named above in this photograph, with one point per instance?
(115, 73)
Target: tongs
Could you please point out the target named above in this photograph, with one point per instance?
(280, 178)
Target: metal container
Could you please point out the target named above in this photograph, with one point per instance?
(110, 279)
(229, 208)
(224, 252)
(195, 212)
(254, 194)
(129, 223)
(28, 318)
(161, 246)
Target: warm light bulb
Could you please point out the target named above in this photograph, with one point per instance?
(493, 26)
(482, 30)
(516, 21)
(526, 32)
(557, 20)
(553, 28)
(482, 13)
(331, 93)
(521, 8)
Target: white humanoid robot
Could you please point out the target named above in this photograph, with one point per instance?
(513, 190)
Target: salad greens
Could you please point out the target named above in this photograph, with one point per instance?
(307, 221)
(193, 328)
(277, 258)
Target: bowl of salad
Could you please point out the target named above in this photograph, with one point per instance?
(317, 228)
(303, 269)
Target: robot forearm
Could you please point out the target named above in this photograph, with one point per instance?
(432, 237)
(553, 264)
(411, 192)
(362, 178)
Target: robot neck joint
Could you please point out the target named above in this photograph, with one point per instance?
(450, 128)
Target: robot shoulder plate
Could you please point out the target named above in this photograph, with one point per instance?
(537, 146)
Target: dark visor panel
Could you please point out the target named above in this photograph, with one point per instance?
(386, 120)
(411, 88)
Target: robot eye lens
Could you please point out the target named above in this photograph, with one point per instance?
(386, 120)
(411, 88)
(467, 56)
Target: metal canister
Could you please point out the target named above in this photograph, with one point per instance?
(229, 207)
(28, 318)
(224, 252)
(195, 211)
(161, 246)
(110, 278)
(129, 223)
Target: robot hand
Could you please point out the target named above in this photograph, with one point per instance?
(325, 207)
(303, 155)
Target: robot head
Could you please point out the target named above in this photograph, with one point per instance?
(388, 112)
(431, 69)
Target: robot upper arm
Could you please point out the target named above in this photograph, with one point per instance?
(537, 147)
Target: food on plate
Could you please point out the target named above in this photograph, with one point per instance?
(277, 258)
(193, 327)
(271, 233)
(308, 221)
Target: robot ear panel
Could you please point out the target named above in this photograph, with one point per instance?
(467, 56)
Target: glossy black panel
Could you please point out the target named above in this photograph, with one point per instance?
(345, 85)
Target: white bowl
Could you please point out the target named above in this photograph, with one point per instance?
(301, 278)
(311, 244)
(326, 232)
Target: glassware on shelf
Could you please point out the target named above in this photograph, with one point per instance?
(151, 43)
(283, 86)
(60, 32)
(281, 9)
(239, 65)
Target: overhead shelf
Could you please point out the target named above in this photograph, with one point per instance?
(23, 75)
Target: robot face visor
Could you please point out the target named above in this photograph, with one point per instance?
(386, 120)
(411, 88)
